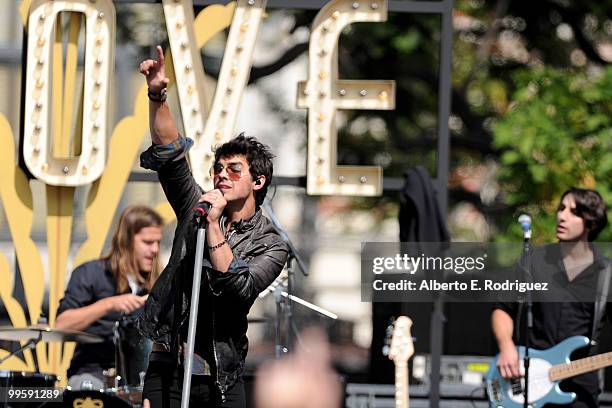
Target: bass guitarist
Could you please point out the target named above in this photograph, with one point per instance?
(574, 265)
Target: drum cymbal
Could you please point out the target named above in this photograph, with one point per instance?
(46, 334)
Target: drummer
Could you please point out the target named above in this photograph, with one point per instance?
(102, 291)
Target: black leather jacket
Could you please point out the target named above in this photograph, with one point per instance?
(259, 256)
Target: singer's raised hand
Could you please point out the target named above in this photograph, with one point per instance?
(161, 123)
(155, 71)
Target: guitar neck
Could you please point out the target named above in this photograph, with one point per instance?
(582, 366)
(401, 385)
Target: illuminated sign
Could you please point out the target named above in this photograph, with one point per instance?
(43, 88)
(323, 94)
(50, 104)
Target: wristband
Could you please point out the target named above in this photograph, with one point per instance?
(158, 96)
(219, 245)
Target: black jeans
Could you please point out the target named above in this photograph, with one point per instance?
(163, 387)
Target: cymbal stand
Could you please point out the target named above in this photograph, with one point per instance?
(31, 344)
(284, 299)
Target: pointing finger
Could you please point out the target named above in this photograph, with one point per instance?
(160, 54)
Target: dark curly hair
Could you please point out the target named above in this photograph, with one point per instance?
(258, 156)
(591, 207)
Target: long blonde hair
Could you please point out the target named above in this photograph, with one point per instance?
(121, 255)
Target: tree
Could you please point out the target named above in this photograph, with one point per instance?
(557, 133)
(497, 47)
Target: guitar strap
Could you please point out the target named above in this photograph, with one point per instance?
(600, 303)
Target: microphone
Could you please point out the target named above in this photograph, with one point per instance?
(202, 210)
(525, 222)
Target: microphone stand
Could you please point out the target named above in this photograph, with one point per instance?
(279, 293)
(526, 261)
(193, 311)
(293, 254)
(284, 310)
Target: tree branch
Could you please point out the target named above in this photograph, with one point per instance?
(287, 58)
(212, 65)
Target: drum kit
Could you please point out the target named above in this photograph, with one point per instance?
(122, 385)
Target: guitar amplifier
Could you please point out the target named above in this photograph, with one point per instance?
(383, 396)
(455, 371)
(461, 385)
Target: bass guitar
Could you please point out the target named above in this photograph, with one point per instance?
(547, 368)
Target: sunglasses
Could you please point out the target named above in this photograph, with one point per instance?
(234, 170)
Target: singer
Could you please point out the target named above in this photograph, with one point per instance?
(581, 216)
(244, 256)
(100, 292)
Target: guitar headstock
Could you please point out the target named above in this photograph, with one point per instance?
(401, 348)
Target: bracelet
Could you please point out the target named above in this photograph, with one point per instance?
(158, 96)
(219, 245)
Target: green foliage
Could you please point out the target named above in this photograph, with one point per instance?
(407, 42)
(547, 128)
(556, 134)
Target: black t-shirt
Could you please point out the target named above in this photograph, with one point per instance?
(570, 314)
(89, 283)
